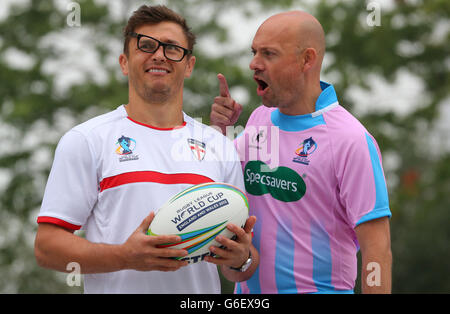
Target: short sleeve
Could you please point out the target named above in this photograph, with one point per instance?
(362, 185)
(72, 187)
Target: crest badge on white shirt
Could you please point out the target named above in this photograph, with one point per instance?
(198, 148)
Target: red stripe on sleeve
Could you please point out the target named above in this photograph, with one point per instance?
(58, 222)
(152, 176)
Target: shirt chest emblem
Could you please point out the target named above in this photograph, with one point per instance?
(303, 152)
(198, 148)
(125, 147)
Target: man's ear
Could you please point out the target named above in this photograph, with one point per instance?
(309, 59)
(189, 66)
(123, 61)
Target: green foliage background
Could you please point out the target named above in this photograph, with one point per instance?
(40, 100)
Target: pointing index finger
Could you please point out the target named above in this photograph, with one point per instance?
(224, 91)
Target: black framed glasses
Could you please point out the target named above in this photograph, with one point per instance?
(150, 45)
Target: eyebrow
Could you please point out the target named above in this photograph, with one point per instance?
(168, 41)
(265, 48)
(171, 41)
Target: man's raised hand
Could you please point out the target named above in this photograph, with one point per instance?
(224, 111)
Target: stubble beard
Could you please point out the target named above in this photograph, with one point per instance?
(159, 93)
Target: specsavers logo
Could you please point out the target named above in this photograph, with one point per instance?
(283, 184)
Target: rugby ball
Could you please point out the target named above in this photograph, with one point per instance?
(199, 214)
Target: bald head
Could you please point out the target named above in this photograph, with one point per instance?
(304, 29)
(288, 51)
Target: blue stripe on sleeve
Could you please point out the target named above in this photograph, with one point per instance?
(381, 207)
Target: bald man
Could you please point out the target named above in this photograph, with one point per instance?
(313, 173)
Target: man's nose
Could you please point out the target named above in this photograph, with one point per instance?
(256, 64)
(159, 54)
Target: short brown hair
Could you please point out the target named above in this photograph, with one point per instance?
(154, 15)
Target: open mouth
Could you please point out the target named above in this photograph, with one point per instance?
(262, 86)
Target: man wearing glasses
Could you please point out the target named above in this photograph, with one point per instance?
(111, 172)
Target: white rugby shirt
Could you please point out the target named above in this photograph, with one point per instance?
(110, 172)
